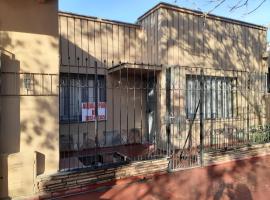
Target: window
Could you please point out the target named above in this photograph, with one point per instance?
(218, 96)
(76, 89)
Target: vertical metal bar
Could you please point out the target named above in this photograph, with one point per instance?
(82, 88)
(105, 89)
(187, 91)
(160, 119)
(120, 93)
(87, 100)
(216, 135)
(87, 86)
(147, 105)
(168, 108)
(113, 105)
(147, 101)
(74, 89)
(59, 120)
(235, 102)
(127, 85)
(155, 113)
(141, 103)
(210, 141)
(134, 103)
(247, 97)
(201, 117)
(79, 87)
(172, 120)
(179, 110)
(68, 85)
(223, 82)
(96, 106)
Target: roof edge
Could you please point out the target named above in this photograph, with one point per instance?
(191, 11)
(87, 17)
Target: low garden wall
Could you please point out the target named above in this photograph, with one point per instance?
(64, 183)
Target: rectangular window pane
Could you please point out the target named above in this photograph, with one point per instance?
(217, 93)
(76, 89)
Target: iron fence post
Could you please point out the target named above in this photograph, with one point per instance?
(248, 102)
(201, 117)
(96, 105)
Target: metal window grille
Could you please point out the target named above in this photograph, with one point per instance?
(76, 89)
(218, 96)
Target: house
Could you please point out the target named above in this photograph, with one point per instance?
(136, 98)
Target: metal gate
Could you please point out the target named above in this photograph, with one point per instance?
(131, 112)
(213, 110)
(183, 128)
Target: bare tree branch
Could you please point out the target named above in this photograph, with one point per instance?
(219, 4)
(262, 2)
(238, 4)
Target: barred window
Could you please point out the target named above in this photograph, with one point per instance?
(76, 89)
(218, 96)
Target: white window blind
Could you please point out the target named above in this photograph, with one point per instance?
(218, 93)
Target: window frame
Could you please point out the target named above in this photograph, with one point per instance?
(230, 109)
(86, 81)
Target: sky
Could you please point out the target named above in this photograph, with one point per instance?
(130, 10)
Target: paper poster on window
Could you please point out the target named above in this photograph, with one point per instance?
(88, 111)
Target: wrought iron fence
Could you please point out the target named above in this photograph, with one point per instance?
(28, 84)
(137, 111)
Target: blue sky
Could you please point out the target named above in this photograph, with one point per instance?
(130, 10)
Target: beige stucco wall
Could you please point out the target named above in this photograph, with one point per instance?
(29, 123)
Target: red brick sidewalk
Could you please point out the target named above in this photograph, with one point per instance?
(245, 179)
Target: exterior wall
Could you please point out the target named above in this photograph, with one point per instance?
(29, 139)
(87, 40)
(29, 122)
(170, 37)
(178, 37)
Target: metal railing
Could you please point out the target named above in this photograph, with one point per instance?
(140, 113)
(28, 84)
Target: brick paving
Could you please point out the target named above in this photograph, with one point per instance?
(240, 180)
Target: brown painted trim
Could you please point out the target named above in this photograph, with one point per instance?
(199, 13)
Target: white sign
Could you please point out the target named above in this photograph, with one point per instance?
(88, 111)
